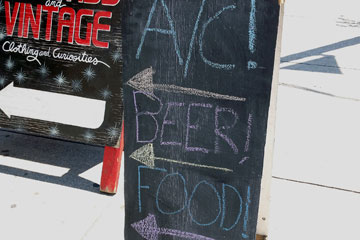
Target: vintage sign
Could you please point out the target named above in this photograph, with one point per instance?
(60, 69)
(197, 85)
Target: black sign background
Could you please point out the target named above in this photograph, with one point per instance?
(103, 82)
(232, 54)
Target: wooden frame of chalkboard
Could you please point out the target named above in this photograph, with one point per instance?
(263, 216)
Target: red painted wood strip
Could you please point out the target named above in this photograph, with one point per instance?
(111, 167)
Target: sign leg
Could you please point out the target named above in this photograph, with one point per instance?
(111, 167)
(260, 237)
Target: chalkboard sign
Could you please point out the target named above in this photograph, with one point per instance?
(60, 69)
(197, 85)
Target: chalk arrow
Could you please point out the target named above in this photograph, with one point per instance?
(143, 81)
(145, 155)
(149, 230)
(52, 107)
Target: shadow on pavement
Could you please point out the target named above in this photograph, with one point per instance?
(328, 61)
(76, 158)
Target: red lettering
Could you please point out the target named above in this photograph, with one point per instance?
(103, 2)
(21, 20)
(78, 39)
(91, 1)
(30, 20)
(100, 27)
(62, 22)
(11, 17)
(110, 2)
(50, 11)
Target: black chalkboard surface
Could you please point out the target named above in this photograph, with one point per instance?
(60, 69)
(197, 84)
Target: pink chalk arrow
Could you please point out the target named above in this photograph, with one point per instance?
(149, 230)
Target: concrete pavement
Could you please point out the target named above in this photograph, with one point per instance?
(50, 190)
(316, 185)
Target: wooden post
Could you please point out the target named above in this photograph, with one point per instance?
(111, 166)
(262, 230)
(260, 237)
